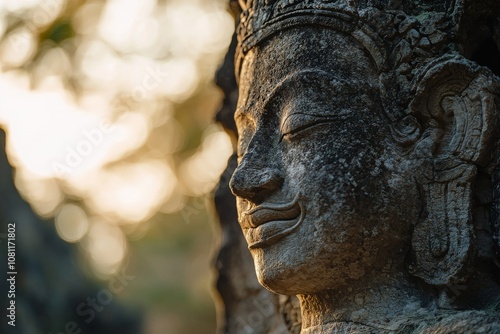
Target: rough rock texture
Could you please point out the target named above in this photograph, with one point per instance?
(368, 176)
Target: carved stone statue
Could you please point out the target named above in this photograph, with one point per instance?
(368, 177)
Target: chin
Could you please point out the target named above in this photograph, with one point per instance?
(285, 269)
(276, 267)
(278, 280)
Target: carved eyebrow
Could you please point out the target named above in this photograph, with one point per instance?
(315, 76)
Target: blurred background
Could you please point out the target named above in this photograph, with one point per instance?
(108, 109)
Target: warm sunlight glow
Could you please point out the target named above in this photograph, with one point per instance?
(96, 99)
(17, 5)
(128, 15)
(106, 245)
(201, 172)
(132, 192)
(44, 194)
(17, 48)
(71, 223)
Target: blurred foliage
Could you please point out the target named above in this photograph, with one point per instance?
(147, 67)
(59, 31)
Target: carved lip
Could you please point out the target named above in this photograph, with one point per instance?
(269, 223)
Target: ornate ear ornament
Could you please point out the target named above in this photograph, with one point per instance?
(454, 101)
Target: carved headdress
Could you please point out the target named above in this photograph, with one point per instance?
(440, 101)
(401, 35)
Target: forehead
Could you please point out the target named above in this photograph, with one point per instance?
(294, 50)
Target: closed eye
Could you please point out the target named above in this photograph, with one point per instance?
(297, 122)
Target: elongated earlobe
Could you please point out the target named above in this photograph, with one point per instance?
(443, 239)
(455, 105)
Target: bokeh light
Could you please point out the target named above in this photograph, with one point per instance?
(201, 172)
(106, 245)
(71, 223)
(107, 105)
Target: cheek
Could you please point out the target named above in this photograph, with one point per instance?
(334, 169)
(349, 188)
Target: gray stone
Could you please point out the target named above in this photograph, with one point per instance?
(368, 177)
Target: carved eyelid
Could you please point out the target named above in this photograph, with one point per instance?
(307, 120)
(300, 78)
(303, 79)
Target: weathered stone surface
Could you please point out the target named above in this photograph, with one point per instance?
(368, 180)
(244, 306)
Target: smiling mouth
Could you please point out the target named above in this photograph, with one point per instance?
(268, 223)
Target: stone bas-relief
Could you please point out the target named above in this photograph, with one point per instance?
(368, 181)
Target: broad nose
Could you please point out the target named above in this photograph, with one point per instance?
(255, 181)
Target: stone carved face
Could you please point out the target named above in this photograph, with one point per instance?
(325, 198)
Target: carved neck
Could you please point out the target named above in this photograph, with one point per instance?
(362, 308)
